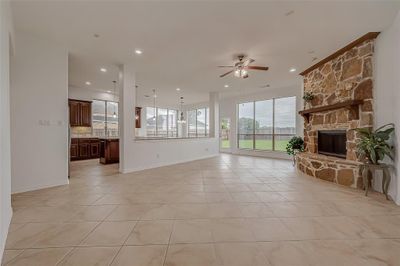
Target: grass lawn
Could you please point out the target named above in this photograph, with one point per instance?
(280, 145)
(225, 144)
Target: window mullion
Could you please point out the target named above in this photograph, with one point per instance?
(167, 122)
(273, 124)
(196, 124)
(105, 120)
(254, 125)
(156, 116)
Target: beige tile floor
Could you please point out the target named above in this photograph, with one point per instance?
(228, 210)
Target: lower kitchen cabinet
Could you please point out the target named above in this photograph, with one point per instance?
(74, 151)
(109, 151)
(95, 149)
(84, 148)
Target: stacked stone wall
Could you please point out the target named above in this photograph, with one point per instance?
(349, 76)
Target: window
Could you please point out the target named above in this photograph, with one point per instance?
(198, 122)
(225, 133)
(246, 125)
(99, 118)
(105, 118)
(172, 123)
(263, 125)
(151, 121)
(192, 132)
(266, 125)
(285, 121)
(161, 122)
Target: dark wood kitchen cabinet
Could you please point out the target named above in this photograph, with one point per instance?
(74, 151)
(138, 117)
(94, 148)
(80, 113)
(84, 152)
(84, 148)
(109, 151)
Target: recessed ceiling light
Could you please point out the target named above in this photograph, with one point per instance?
(226, 86)
(108, 91)
(103, 69)
(137, 51)
(292, 69)
(88, 83)
(178, 89)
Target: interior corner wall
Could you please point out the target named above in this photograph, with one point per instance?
(39, 114)
(387, 94)
(6, 31)
(228, 109)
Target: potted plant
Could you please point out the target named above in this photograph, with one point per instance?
(308, 97)
(373, 146)
(295, 145)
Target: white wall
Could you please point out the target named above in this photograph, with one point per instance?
(144, 154)
(39, 114)
(387, 93)
(228, 110)
(90, 95)
(6, 33)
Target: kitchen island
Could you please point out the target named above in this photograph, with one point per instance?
(109, 150)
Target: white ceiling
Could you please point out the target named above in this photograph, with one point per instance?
(183, 42)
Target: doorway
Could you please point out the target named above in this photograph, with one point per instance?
(224, 138)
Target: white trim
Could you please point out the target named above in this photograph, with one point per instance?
(260, 153)
(125, 171)
(40, 186)
(4, 237)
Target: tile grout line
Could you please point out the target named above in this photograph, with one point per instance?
(169, 242)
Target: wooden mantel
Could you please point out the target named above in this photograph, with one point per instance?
(351, 104)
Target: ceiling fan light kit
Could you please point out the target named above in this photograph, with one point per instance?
(242, 67)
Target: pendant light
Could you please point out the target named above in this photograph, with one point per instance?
(181, 118)
(115, 113)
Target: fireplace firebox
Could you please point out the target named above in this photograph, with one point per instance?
(332, 143)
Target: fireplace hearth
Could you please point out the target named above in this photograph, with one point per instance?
(332, 143)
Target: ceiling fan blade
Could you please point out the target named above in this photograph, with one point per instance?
(247, 61)
(226, 66)
(223, 75)
(257, 67)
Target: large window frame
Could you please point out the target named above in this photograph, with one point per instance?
(169, 129)
(107, 120)
(196, 134)
(274, 134)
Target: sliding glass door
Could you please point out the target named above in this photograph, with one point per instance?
(266, 125)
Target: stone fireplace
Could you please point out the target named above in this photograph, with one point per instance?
(342, 87)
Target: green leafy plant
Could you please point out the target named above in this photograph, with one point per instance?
(308, 96)
(296, 144)
(373, 145)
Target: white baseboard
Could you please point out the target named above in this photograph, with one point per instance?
(265, 154)
(41, 186)
(136, 169)
(5, 233)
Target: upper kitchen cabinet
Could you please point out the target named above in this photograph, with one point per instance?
(80, 113)
(138, 115)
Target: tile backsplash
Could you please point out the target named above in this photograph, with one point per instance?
(79, 132)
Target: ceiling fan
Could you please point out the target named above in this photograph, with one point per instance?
(242, 67)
